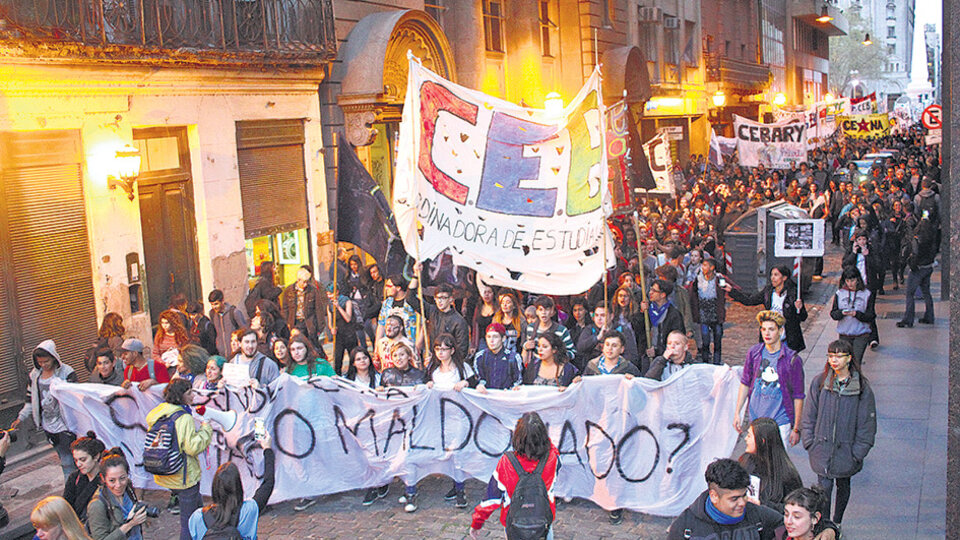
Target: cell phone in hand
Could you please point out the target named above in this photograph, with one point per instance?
(722, 281)
(259, 429)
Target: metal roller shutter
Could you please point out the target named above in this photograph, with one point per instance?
(10, 380)
(50, 248)
(273, 184)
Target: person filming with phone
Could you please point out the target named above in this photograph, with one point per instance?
(229, 515)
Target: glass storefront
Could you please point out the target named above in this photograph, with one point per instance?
(288, 250)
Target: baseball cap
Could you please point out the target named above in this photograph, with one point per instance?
(132, 344)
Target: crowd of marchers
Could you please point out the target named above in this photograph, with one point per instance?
(660, 310)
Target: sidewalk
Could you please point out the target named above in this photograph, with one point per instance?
(901, 491)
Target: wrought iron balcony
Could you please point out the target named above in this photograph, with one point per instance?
(285, 31)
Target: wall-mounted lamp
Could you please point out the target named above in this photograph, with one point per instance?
(824, 15)
(553, 104)
(126, 169)
(719, 99)
(780, 99)
(867, 40)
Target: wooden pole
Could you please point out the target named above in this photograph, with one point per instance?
(643, 279)
(606, 285)
(336, 297)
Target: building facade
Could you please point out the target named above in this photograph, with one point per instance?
(931, 39)
(891, 26)
(795, 43)
(220, 107)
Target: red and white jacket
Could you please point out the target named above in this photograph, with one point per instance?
(504, 480)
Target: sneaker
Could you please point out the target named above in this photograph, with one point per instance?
(382, 491)
(175, 510)
(568, 500)
(402, 499)
(461, 500)
(904, 324)
(874, 344)
(370, 496)
(411, 504)
(303, 504)
(451, 495)
(616, 516)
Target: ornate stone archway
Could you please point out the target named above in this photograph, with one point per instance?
(373, 67)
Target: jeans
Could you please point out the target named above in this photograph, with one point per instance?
(919, 278)
(843, 496)
(61, 443)
(188, 501)
(859, 344)
(711, 333)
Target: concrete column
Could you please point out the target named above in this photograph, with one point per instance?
(951, 169)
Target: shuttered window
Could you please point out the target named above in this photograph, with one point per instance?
(52, 277)
(273, 185)
(10, 381)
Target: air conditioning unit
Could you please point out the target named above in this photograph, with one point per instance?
(671, 23)
(650, 14)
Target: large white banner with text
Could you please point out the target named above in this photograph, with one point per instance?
(638, 444)
(518, 194)
(775, 146)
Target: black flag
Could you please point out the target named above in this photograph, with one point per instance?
(641, 177)
(364, 217)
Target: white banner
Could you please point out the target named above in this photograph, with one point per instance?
(773, 145)
(657, 150)
(820, 118)
(636, 444)
(517, 194)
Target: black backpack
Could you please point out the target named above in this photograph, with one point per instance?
(529, 516)
(229, 532)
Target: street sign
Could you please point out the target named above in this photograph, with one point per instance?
(934, 136)
(931, 117)
(673, 133)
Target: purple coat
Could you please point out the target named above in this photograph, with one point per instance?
(789, 370)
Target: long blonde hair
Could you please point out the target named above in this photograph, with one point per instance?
(57, 511)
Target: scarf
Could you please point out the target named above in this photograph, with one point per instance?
(719, 516)
(658, 313)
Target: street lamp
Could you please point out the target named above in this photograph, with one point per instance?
(828, 97)
(866, 39)
(553, 104)
(824, 15)
(126, 169)
(780, 99)
(719, 99)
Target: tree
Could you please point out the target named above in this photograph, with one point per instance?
(850, 59)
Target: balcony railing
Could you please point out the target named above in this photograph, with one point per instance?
(299, 30)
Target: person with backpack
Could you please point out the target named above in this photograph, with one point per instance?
(522, 484)
(226, 320)
(138, 369)
(229, 516)
(172, 445)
